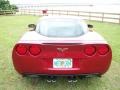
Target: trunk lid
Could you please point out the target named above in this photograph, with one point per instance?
(60, 50)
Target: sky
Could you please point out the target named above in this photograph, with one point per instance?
(63, 1)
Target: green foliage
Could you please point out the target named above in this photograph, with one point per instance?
(14, 7)
(5, 5)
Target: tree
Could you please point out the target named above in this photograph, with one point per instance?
(14, 7)
(5, 5)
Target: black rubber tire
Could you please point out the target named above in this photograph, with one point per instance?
(24, 75)
(99, 75)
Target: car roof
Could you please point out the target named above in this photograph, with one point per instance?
(61, 17)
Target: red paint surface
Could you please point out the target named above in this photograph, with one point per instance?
(43, 63)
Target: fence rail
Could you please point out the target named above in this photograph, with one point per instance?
(6, 12)
(98, 16)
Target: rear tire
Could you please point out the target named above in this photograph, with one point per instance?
(24, 75)
(99, 75)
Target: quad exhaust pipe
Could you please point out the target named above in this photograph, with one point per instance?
(72, 79)
(52, 79)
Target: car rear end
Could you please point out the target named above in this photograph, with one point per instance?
(61, 59)
(61, 46)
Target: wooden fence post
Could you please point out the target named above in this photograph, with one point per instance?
(102, 16)
(52, 12)
(59, 12)
(67, 12)
(89, 15)
(23, 12)
(119, 18)
(20, 11)
(78, 13)
(34, 12)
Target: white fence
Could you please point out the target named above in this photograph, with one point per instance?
(98, 16)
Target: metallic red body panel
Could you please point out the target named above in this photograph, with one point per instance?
(43, 63)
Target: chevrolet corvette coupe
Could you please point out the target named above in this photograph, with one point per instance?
(61, 45)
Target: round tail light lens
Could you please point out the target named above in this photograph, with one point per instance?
(34, 50)
(103, 49)
(21, 49)
(90, 50)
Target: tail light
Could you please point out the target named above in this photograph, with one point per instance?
(21, 49)
(103, 49)
(34, 50)
(90, 50)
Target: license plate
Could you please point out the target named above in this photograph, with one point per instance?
(62, 63)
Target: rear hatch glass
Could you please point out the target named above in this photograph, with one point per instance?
(60, 28)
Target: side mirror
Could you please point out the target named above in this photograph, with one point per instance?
(90, 27)
(31, 27)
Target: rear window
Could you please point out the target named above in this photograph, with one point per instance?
(60, 28)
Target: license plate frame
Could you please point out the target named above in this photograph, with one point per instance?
(62, 62)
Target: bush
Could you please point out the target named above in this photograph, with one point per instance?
(6, 8)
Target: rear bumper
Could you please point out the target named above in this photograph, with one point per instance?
(45, 66)
(63, 75)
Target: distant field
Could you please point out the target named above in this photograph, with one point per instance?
(13, 27)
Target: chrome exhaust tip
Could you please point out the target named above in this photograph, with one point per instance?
(72, 79)
(51, 79)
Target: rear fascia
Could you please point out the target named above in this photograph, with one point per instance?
(42, 63)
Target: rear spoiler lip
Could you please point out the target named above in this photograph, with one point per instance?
(63, 41)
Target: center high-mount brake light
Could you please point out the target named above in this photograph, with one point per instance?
(34, 50)
(90, 50)
(21, 49)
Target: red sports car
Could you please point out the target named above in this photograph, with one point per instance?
(61, 45)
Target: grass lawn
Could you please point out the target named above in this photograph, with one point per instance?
(13, 27)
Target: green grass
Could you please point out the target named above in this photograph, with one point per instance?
(13, 27)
